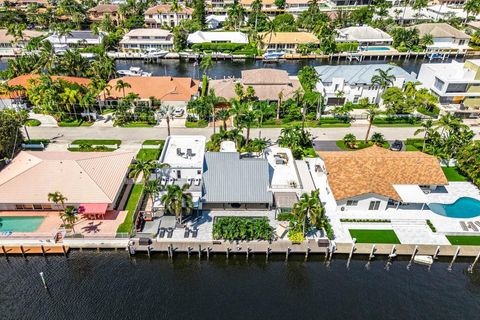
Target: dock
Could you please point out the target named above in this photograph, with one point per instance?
(34, 250)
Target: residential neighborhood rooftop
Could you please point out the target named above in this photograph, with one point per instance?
(440, 30)
(210, 36)
(166, 8)
(175, 151)
(377, 170)
(363, 33)
(288, 37)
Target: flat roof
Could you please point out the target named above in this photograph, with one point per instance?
(175, 151)
(282, 168)
(453, 70)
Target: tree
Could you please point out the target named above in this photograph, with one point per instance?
(236, 15)
(11, 136)
(176, 200)
(426, 128)
(419, 5)
(262, 109)
(57, 197)
(269, 32)
(285, 22)
(121, 85)
(199, 12)
(180, 36)
(383, 79)
(350, 140)
(280, 3)
(70, 217)
(372, 112)
(166, 112)
(309, 78)
(16, 31)
(308, 207)
(246, 120)
(378, 138)
(144, 168)
(223, 115)
(206, 63)
(471, 6)
(152, 189)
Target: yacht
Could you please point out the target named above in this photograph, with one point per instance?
(273, 56)
(134, 72)
(156, 54)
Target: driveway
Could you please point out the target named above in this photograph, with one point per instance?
(45, 120)
(325, 145)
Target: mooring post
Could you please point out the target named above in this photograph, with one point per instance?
(331, 253)
(351, 254)
(43, 280)
(4, 252)
(435, 256)
(171, 250)
(412, 257)
(371, 256)
(472, 266)
(199, 251)
(306, 253)
(64, 251)
(188, 251)
(208, 253)
(450, 266)
(148, 251)
(248, 251)
(228, 252)
(286, 253)
(23, 251)
(267, 253)
(43, 250)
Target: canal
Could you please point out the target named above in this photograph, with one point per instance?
(111, 285)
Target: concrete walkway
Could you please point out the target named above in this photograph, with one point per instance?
(45, 120)
(105, 120)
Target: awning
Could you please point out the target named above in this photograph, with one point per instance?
(285, 199)
(93, 208)
(410, 193)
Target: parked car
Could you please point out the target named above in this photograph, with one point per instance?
(178, 112)
(397, 145)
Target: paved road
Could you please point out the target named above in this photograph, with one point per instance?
(138, 135)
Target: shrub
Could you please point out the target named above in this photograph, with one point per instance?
(221, 47)
(366, 220)
(285, 216)
(432, 227)
(242, 228)
(296, 236)
(347, 46)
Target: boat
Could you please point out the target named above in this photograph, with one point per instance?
(134, 72)
(271, 56)
(423, 259)
(155, 54)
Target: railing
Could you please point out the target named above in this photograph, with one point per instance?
(80, 236)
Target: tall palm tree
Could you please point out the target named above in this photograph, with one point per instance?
(152, 189)
(269, 31)
(70, 217)
(175, 7)
(426, 128)
(309, 207)
(224, 115)
(246, 120)
(449, 123)
(121, 85)
(206, 63)
(176, 200)
(145, 167)
(57, 197)
(372, 112)
(166, 112)
(279, 103)
(383, 79)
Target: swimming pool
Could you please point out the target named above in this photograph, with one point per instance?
(376, 48)
(20, 224)
(464, 207)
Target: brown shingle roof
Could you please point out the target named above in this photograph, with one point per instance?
(440, 30)
(163, 88)
(167, 8)
(104, 8)
(376, 170)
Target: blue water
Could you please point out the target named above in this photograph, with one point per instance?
(20, 224)
(377, 48)
(464, 207)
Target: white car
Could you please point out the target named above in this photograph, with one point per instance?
(178, 112)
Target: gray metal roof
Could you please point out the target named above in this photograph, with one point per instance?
(229, 179)
(359, 74)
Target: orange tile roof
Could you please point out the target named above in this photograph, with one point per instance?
(163, 88)
(167, 8)
(376, 170)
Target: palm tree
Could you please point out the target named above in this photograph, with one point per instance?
(280, 98)
(145, 167)
(383, 79)
(378, 138)
(121, 85)
(426, 128)
(175, 7)
(449, 123)
(176, 200)
(262, 109)
(70, 217)
(70, 97)
(247, 120)
(57, 197)
(372, 112)
(309, 207)
(166, 112)
(350, 140)
(269, 31)
(152, 189)
(16, 31)
(206, 63)
(224, 115)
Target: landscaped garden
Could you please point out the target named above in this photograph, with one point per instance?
(32, 123)
(453, 174)
(351, 143)
(374, 236)
(132, 203)
(242, 228)
(464, 240)
(146, 154)
(94, 145)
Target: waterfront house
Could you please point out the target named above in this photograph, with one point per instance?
(142, 40)
(24, 3)
(218, 6)
(444, 36)
(74, 39)
(215, 21)
(185, 155)
(457, 85)
(9, 45)
(366, 36)
(267, 83)
(85, 178)
(350, 83)
(163, 15)
(173, 91)
(97, 13)
(217, 37)
(286, 41)
(268, 6)
(296, 7)
(374, 179)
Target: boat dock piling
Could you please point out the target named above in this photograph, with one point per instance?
(34, 250)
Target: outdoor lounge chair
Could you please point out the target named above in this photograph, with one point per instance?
(477, 223)
(169, 232)
(197, 181)
(187, 233)
(472, 226)
(190, 153)
(161, 234)
(463, 225)
(163, 181)
(171, 180)
(194, 232)
(189, 181)
(179, 152)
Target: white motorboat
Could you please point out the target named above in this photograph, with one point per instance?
(134, 72)
(273, 56)
(156, 54)
(423, 259)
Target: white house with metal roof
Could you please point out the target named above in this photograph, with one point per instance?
(366, 36)
(217, 37)
(81, 38)
(350, 83)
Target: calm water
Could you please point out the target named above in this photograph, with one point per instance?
(228, 68)
(110, 285)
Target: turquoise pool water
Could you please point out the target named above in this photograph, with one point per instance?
(20, 224)
(464, 207)
(376, 48)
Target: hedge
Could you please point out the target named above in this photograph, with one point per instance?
(389, 120)
(347, 46)
(219, 46)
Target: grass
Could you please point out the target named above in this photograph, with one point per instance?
(153, 142)
(360, 145)
(138, 124)
(324, 123)
(97, 142)
(148, 154)
(107, 111)
(396, 125)
(464, 240)
(196, 124)
(132, 202)
(32, 123)
(453, 174)
(375, 236)
(74, 123)
(414, 144)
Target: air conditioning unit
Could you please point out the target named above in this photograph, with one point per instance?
(342, 209)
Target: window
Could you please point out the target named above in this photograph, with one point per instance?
(352, 203)
(461, 42)
(199, 171)
(47, 207)
(438, 84)
(179, 174)
(457, 87)
(374, 205)
(18, 207)
(37, 206)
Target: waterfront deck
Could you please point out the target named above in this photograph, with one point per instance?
(34, 250)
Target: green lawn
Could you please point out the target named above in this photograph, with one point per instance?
(153, 142)
(132, 202)
(97, 141)
(360, 145)
(196, 124)
(74, 123)
(464, 240)
(453, 174)
(32, 123)
(138, 124)
(148, 154)
(324, 123)
(414, 144)
(396, 125)
(375, 236)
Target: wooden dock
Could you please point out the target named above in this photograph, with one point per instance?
(34, 250)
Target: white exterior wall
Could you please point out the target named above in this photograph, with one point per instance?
(363, 203)
(169, 18)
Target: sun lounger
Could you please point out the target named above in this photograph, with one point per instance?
(162, 233)
(169, 233)
(187, 233)
(171, 180)
(194, 233)
(197, 181)
(163, 181)
(463, 225)
(472, 226)
(477, 223)
(189, 181)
